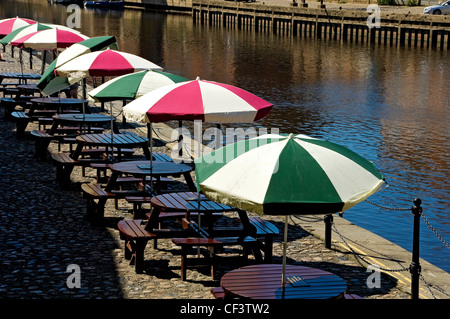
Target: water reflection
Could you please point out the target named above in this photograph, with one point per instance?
(390, 105)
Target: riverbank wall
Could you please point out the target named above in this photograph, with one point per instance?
(383, 27)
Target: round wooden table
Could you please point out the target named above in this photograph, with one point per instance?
(142, 168)
(61, 103)
(83, 120)
(264, 282)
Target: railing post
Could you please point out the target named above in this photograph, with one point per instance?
(415, 267)
(328, 219)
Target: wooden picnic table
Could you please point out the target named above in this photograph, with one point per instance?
(111, 141)
(142, 169)
(83, 121)
(107, 143)
(138, 169)
(28, 89)
(190, 202)
(59, 131)
(58, 104)
(264, 282)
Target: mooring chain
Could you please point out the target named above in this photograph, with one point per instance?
(387, 208)
(421, 214)
(434, 230)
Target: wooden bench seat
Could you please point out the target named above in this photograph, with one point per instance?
(135, 235)
(9, 104)
(352, 296)
(65, 163)
(95, 191)
(263, 230)
(267, 231)
(22, 120)
(248, 243)
(218, 292)
(41, 141)
(136, 238)
(64, 166)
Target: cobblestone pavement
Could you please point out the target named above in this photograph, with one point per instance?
(44, 230)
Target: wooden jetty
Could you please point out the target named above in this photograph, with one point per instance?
(427, 31)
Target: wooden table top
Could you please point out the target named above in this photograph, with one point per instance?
(19, 75)
(263, 281)
(142, 168)
(94, 118)
(57, 100)
(188, 201)
(114, 140)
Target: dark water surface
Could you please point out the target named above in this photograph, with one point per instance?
(390, 105)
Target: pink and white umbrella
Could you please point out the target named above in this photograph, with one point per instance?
(207, 101)
(105, 63)
(49, 39)
(9, 25)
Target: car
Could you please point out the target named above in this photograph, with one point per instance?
(442, 8)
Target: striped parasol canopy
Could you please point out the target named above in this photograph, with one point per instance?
(287, 175)
(50, 39)
(28, 29)
(105, 63)
(198, 100)
(9, 25)
(134, 85)
(50, 83)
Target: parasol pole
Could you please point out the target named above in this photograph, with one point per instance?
(112, 132)
(44, 57)
(150, 127)
(283, 276)
(84, 96)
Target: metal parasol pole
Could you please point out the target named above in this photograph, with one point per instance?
(84, 96)
(112, 133)
(150, 127)
(283, 277)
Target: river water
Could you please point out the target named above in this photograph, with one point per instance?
(390, 105)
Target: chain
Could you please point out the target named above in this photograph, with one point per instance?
(421, 214)
(434, 230)
(387, 208)
(428, 286)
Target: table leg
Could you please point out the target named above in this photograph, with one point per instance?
(190, 183)
(250, 230)
(78, 150)
(146, 151)
(54, 127)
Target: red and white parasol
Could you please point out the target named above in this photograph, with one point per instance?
(49, 39)
(9, 25)
(105, 63)
(207, 101)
